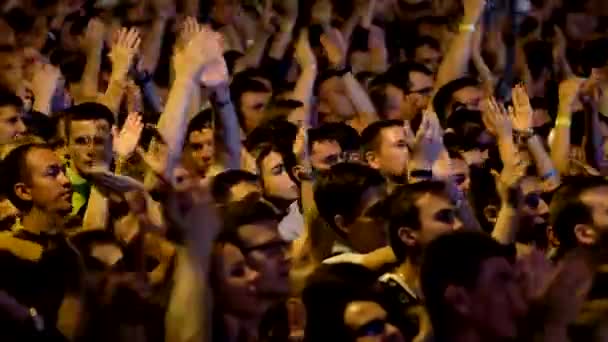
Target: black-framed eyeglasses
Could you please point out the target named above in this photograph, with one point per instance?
(270, 248)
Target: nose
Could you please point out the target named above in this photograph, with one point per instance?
(457, 224)
(20, 129)
(252, 277)
(392, 334)
(63, 179)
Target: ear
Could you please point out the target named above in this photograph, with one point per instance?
(339, 222)
(408, 236)
(299, 172)
(22, 191)
(490, 213)
(370, 158)
(458, 299)
(585, 234)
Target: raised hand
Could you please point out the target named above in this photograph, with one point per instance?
(123, 51)
(522, 109)
(568, 95)
(45, 81)
(94, 35)
(215, 73)
(125, 141)
(496, 119)
(203, 48)
(304, 54)
(189, 29)
(429, 140)
(335, 47)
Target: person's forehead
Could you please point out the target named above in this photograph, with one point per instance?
(41, 158)
(359, 313)
(531, 184)
(201, 135)
(326, 147)
(89, 127)
(468, 92)
(251, 97)
(259, 232)
(7, 112)
(420, 80)
(429, 203)
(595, 197)
(273, 159)
(390, 135)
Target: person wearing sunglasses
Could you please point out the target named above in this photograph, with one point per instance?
(416, 214)
(344, 304)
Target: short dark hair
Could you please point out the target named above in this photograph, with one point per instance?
(328, 291)
(223, 183)
(444, 97)
(9, 98)
(454, 259)
(14, 169)
(242, 85)
(88, 111)
(347, 137)
(338, 191)
(370, 137)
(567, 209)
(289, 158)
(276, 131)
(204, 119)
(399, 210)
(399, 74)
(422, 41)
(247, 211)
(465, 128)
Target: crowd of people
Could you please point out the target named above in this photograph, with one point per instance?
(303, 170)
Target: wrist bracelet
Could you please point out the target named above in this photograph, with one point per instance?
(549, 175)
(466, 28)
(563, 122)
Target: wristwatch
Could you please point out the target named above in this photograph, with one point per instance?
(35, 322)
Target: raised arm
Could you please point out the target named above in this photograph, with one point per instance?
(457, 58)
(560, 145)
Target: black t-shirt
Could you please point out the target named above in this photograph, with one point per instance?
(399, 300)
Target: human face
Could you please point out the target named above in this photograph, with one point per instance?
(236, 282)
(225, 11)
(252, 107)
(367, 321)
(394, 106)
(201, 147)
(470, 97)
(266, 252)
(90, 144)
(453, 169)
(419, 93)
(429, 57)
(496, 302)
(324, 154)
(277, 183)
(11, 70)
(334, 100)
(11, 124)
(535, 212)
(596, 200)
(367, 233)
(393, 154)
(48, 188)
(437, 216)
